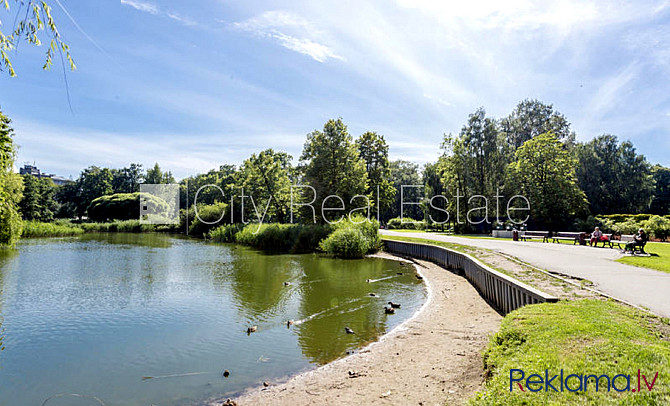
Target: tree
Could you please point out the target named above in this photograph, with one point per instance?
(156, 176)
(37, 17)
(374, 150)
(11, 187)
(544, 173)
(127, 180)
(332, 166)
(266, 178)
(661, 201)
(614, 177)
(38, 199)
(531, 118)
(92, 183)
(473, 164)
(408, 174)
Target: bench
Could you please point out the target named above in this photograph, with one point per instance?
(527, 235)
(574, 237)
(607, 241)
(628, 238)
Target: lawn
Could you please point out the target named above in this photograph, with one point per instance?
(659, 259)
(581, 337)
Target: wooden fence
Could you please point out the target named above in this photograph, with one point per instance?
(503, 291)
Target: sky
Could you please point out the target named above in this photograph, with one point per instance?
(193, 85)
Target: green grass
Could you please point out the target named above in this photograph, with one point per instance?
(36, 229)
(659, 259)
(456, 247)
(580, 337)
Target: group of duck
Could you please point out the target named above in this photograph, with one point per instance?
(390, 309)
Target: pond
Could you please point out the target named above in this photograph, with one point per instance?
(151, 319)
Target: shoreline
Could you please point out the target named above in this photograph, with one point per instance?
(412, 354)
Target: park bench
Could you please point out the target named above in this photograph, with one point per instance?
(627, 238)
(568, 236)
(607, 241)
(527, 235)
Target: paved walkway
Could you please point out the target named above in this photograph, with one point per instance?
(641, 286)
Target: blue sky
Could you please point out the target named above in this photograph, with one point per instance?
(192, 85)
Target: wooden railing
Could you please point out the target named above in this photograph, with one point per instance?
(505, 292)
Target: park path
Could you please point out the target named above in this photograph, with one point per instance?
(640, 286)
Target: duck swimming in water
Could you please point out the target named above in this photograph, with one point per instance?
(252, 329)
(349, 331)
(395, 305)
(389, 310)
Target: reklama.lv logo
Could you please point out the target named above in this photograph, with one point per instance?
(577, 382)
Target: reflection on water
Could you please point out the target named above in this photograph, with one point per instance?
(139, 319)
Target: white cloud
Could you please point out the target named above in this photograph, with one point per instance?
(141, 6)
(291, 31)
(155, 10)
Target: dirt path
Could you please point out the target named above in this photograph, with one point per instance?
(434, 358)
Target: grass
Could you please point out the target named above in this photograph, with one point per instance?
(457, 247)
(36, 229)
(579, 337)
(659, 259)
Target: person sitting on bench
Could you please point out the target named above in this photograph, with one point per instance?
(597, 236)
(639, 240)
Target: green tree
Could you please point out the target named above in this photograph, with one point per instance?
(36, 18)
(38, 201)
(156, 176)
(408, 174)
(332, 166)
(661, 201)
(93, 182)
(374, 150)
(531, 118)
(266, 178)
(474, 163)
(11, 187)
(67, 197)
(127, 180)
(614, 177)
(544, 173)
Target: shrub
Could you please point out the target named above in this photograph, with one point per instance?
(658, 226)
(208, 213)
(352, 239)
(627, 227)
(123, 206)
(346, 242)
(408, 224)
(270, 237)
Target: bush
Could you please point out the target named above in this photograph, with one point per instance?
(408, 224)
(627, 227)
(208, 213)
(294, 238)
(352, 239)
(658, 226)
(123, 206)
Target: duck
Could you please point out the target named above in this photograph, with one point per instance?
(394, 305)
(372, 294)
(226, 373)
(349, 331)
(419, 277)
(289, 323)
(287, 283)
(368, 280)
(252, 329)
(398, 273)
(389, 310)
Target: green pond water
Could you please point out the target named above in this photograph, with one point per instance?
(151, 319)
